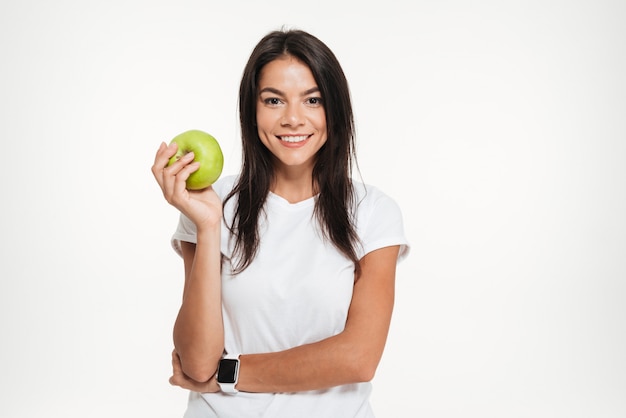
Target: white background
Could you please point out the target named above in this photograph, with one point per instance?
(498, 126)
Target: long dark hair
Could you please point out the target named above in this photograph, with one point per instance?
(332, 173)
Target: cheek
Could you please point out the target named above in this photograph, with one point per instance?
(323, 128)
(263, 121)
(319, 119)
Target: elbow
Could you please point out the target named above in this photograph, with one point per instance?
(199, 372)
(199, 376)
(198, 361)
(365, 374)
(199, 367)
(363, 367)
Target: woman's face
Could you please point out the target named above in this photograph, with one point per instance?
(290, 113)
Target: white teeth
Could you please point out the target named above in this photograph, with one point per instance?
(293, 138)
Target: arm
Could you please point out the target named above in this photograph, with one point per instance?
(199, 330)
(349, 357)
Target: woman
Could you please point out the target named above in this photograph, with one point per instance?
(289, 266)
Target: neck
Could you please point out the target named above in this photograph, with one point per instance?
(293, 185)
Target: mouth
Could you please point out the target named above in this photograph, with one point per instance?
(293, 138)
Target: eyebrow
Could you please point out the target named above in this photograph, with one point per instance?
(280, 93)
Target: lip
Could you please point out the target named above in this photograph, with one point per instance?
(294, 140)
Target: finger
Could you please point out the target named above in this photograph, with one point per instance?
(175, 174)
(161, 161)
(176, 370)
(163, 155)
(179, 164)
(180, 184)
(176, 362)
(157, 168)
(177, 380)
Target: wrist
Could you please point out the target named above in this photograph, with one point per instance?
(209, 235)
(209, 227)
(228, 373)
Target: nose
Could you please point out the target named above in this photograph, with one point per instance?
(292, 116)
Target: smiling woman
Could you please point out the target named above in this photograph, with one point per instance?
(289, 266)
(499, 130)
(290, 117)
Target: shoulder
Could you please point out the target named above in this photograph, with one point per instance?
(379, 220)
(369, 197)
(375, 210)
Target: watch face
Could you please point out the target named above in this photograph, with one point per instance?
(227, 371)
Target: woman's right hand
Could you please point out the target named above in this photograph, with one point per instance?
(179, 378)
(202, 207)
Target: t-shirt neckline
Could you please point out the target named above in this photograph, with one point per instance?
(284, 202)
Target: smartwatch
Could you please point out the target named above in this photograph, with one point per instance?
(228, 373)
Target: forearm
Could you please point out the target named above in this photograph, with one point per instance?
(199, 329)
(338, 360)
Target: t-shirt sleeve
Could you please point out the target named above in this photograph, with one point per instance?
(383, 226)
(185, 231)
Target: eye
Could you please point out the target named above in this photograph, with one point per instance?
(272, 101)
(314, 101)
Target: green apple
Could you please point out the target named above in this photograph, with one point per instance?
(206, 151)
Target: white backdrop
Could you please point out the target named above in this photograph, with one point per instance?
(499, 127)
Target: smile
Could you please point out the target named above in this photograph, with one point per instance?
(293, 138)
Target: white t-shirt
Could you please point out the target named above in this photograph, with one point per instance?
(297, 290)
